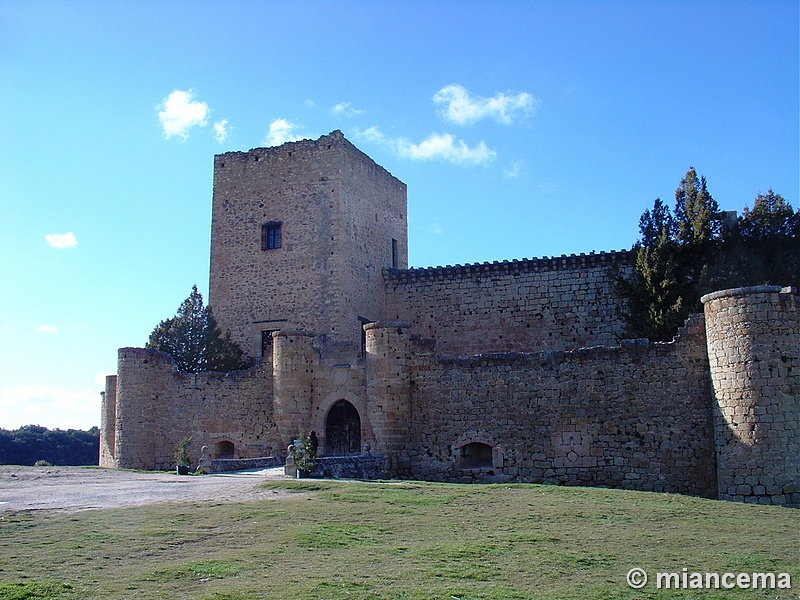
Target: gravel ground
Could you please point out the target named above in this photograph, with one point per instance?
(73, 489)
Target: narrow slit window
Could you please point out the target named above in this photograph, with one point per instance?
(266, 341)
(395, 256)
(271, 235)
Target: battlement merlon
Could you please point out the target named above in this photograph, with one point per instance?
(614, 258)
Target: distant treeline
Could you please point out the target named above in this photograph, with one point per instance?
(32, 443)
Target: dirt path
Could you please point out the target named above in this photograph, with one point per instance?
(74, 489)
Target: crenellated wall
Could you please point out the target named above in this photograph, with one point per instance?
(754, 354)
(511, 306)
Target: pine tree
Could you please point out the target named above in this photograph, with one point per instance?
(671, 267)
(194, 340)
(763, 247)
(681, 256)
(655, 305)
(697, 231)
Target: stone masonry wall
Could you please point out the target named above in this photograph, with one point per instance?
(522, 305)
(157, 406)
(636, 416)
(754, 353)
(339, 212)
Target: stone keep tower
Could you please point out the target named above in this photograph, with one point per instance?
(300, 234)
(753, 338)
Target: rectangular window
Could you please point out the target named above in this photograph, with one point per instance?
(271, 235)
(395, 256)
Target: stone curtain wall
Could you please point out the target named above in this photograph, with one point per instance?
(521, 305)
(754, 353)
(157, 406)
(636, 416)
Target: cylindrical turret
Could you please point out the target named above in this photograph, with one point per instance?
(108, 424)
(293, 373)
(388, 386)
(753, 337)
(145, 393)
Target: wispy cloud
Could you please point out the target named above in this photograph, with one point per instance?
(462, 107)
(61, 240)
(437, 146)
(514, 170)
(345, 109)
(179, 112)
(47, 329)
(282, 131)
(221, 130)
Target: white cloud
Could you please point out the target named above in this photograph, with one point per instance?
(61, 240)
(436, 229)
(50, 407)
(282, 131)
(446, 147)
(463, 108)
(47, 329)
(221, 130)
(345, 109)
(180, 112)
(371, 134)
(437, 146)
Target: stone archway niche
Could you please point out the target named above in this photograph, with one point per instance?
(224, 450)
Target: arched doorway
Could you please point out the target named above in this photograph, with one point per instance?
(342, 430)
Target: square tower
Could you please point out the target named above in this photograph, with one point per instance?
(300, 235)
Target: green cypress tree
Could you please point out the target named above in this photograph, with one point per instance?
(194, 340)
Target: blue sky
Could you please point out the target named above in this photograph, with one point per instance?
(522, 129)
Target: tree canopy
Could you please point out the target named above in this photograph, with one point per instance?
(692, 250)
(32, 443)
(193, 338)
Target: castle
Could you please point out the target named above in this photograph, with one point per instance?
(503, 371)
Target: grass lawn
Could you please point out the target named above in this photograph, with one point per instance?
(337, 539)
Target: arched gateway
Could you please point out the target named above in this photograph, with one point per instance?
(342, 430)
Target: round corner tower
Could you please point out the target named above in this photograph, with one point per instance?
(753, 337)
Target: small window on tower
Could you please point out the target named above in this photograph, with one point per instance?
(271, 235)
(395, 254)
